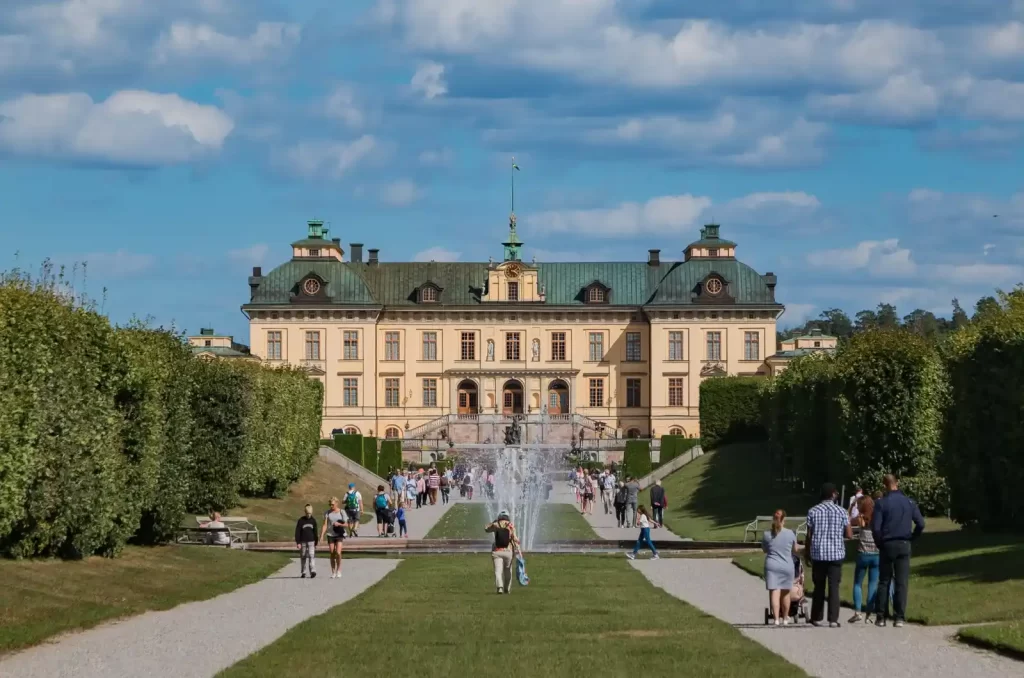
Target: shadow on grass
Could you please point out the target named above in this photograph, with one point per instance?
(737, 485)
(1000, 564)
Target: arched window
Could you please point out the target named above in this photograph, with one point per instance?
(633, 433)
(596, 295)
(351, 431)
(392, 432)
(675, 431)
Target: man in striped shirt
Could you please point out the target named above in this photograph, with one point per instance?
(506, 547)
(433, 482)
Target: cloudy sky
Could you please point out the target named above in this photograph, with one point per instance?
(863, 150)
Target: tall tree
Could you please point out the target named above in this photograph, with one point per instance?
(986, 306)
(866, 320)
(922, 323)
(835, 322)
(960, 317)
(887, 318)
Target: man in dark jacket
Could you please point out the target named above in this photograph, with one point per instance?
(891, 528)
(306, 540)
(658, 503)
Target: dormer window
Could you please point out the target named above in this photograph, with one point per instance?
(713, 286)
(513, 291)
(429, 295)
(713, 252)
(314, 253)
(595, 296)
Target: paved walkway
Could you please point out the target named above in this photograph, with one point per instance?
(604, 524)
(197, 640)
(721, 589)
(417, 520)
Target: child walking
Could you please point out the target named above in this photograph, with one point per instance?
(306, 541)
(402, 531)
(644, 523)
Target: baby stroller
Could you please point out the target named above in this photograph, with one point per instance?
(390, 524)
(797, 600)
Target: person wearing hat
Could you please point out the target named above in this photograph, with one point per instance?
(506, 548)
(353, 507)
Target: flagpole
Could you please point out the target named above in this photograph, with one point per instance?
(513, 171)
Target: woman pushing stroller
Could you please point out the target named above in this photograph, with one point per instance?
(780, 568)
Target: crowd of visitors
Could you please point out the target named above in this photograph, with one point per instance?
(886, 525)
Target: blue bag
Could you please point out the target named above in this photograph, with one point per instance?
(521, 571)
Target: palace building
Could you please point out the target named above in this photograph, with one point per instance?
(411, 349)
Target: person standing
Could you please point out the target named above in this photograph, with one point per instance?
(433, 483)
(421, 490)
(353, 508)
(334, 529)
(779, 545)
(621, 497)
(645, 536)
(506, 548)
(827, 526)
(381, 506)
(306, 541)
(658, 503)
(854, 507)
(632, 496)
(403, 530)
(867, 562)
(398, 488)
(892, 531)
(446, 486)
(608, 492)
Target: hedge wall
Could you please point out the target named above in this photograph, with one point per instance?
(876, 407)
(370, 457)
(730, 410)
(673, 446)
(350, 445)
(983, 438)
(108, 434)
(637, 458)
(390, 455)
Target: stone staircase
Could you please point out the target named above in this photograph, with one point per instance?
(490, 428)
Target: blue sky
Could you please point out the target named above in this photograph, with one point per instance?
(863, 150)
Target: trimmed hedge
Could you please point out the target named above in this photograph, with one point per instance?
(983, 439)
(875, 407)
(370, 454)
(390, 455)
(637, 458)
(110, 434)
(730, 410)
(673, 446)
(350, 445)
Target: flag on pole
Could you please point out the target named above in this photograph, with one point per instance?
(515, 166)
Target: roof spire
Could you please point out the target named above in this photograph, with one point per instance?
(513, 244)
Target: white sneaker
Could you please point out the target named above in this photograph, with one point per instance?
(631, 556)
(656, 557)
(333, 575)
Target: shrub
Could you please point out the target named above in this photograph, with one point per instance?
(370, 454)
(673, 446)
(637, 458)
(350, 445)
(730, 410)
(390, 455)
(219, 410)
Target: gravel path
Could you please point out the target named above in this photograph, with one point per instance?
(721, 589)
(197, 640)
(604, 524)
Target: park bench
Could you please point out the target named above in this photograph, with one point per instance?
(238, 526)
(204, 535)
(761, 523)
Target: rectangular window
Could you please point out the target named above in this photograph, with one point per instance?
(512, 346)
(597, 392)
(312, 346)
(513, 291)
(430, 393)
(274, 345)
(633, 392)
(350, 392)
(430, 345)
(391, 392)
(558, 345)
(350, 345)
(596, 346)
(751, 346)
(675, 392)
(468, 346)
(714, 346)
(392, 346)
(675, 345)
(314, 253)
(633, 353)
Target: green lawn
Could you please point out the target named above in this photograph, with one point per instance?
(276, 518)
(958, 577)
(578, 616)
(40, 598)
(1005, 637)
(467, 521)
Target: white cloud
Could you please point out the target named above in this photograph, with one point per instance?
(186, 40)
(254, 255)
(401, 193)
(131, 127)
(969, 211)
(82, 23)
(989, 99)
(437, 254)
(341, 105)
(797, 145)
(119, 264)
(878, 258)
(429, 81)
(758, 201)
(1002, 42)
(902, 98)
(328, 159)
(980, 274)
(441, 157)
(661, 215)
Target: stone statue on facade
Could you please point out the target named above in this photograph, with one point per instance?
(490, 350)
(536, 350)
(513, 434)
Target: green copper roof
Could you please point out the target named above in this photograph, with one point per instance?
(811, 336)
(711, 242)
(315, 242)
(461, 283)
(681, 279)
(222, 351)
(343, 284)
(564, 282)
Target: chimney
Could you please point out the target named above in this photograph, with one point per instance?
(373, 256)
(206, 331)
(357, 252)
(654, 257)
(254, 281)
(336, 241)
(770, 280)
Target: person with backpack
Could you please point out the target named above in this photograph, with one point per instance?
(621, 497)
(353, 507)
(445, 487)
(381, 506)
(506, 549)
(306, 541)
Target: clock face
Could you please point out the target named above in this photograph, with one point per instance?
(512, 271)
(311, 287)
(713, 286)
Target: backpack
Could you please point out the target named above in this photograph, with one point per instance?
(381, 501)
(502, 536)
(351, 501)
